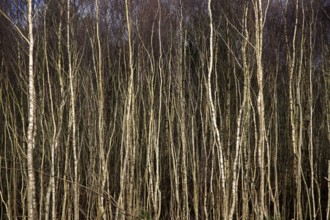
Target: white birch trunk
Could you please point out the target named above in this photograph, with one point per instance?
(102, 154)
(73, 119)
(214, 122)
(32, 214)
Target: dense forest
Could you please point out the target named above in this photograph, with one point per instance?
(165, 109)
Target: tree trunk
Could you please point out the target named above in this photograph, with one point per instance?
(32, 206)
(214, 121)
(72, 122)
(259, 22)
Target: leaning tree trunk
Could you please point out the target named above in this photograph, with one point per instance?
(214, 122)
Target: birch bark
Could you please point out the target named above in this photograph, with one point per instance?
(32, 214)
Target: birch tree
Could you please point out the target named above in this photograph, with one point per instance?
(101, 124)
(72, 122)
(214, 122)
(32, 205)
(127, 168)
(259, 24)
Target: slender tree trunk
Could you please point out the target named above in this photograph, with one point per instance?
(294, 113)
(73, 117)
(175, 198)
(51, 191)
(62, 105)
(101, 124)
(246, 119)
(194, 168)
(158, 195)
(311, 111)
(328, 207)
(300, 120)
(214, 122)
(130, 124)
(32, 206)
(259, 22)
(127, 168)
(276, 144)
(182, 117)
